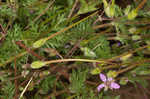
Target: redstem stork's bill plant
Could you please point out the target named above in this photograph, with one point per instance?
(60, 49)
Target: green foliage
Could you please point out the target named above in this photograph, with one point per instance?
(47, 84)
(101, 47)
(7, 91)
(77, 81)
(127, 32)
(6, 12)
(142, 70)
(78, 85)
(141, 81)
(87, 7)
(9, 48)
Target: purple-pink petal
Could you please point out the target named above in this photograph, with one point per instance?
(114, 85)
(110, 79)
(100, 87)
(103, 77)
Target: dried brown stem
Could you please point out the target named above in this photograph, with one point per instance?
(16, 86)
(141, 4)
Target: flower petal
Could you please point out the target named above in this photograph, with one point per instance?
(103, 77)
(110, 79)
(100, 87)
(114, 85)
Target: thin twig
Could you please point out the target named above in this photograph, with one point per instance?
(67, 60)
(27, 79)
(73, 8)
(26, 88)
(141, 4)
(102, 26)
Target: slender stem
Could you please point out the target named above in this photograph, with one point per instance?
(16, 81)
(67, 60)
(110, 67)
(73, 8)
(102, 25)
(25, 88)
(141, 5)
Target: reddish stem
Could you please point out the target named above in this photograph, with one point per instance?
(16, 86)
(29, 50)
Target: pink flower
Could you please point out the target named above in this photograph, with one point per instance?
(107, 83)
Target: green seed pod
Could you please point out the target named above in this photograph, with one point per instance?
(38, 64)
(39, 43)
